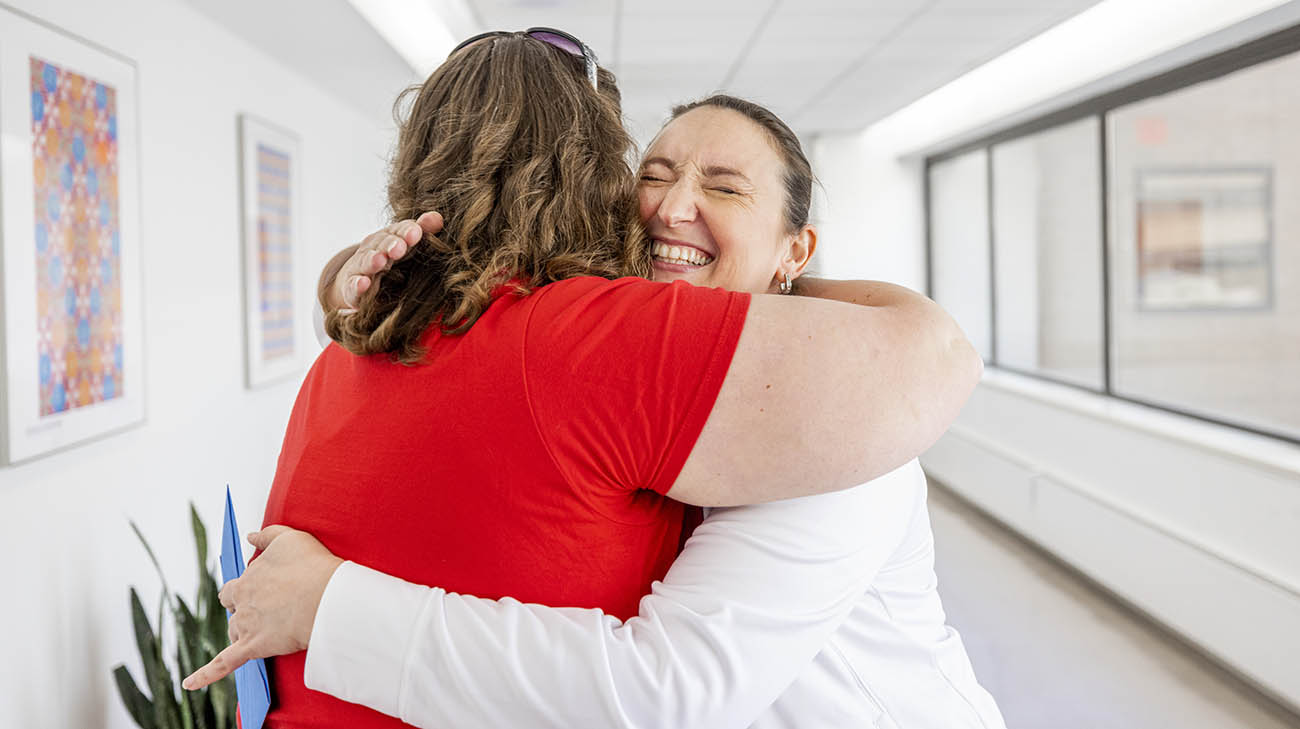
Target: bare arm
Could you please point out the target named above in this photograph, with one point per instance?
(822, 394)
(825, 390)
(862, 293)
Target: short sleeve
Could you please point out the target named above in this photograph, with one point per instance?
(621, 375)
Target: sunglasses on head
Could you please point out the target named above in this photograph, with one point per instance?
(558, 38)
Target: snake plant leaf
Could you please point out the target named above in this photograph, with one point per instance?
(207, 588)
(214, 619)
(152, 558)
(158, 678)
(165, 703)
(162, 610)
(200, 634)
(145, 640)
(200, 540)
(217, 628)
(137, 704)
(190, 657)
(187, 637)
(166, 709)
(189, 699)
(223, 702)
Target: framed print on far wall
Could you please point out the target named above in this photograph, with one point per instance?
(69, 242)
(269, 171)
(1205, 239)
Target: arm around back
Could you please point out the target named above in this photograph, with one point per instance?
(822, 395)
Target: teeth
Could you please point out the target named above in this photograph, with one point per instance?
(680, 255)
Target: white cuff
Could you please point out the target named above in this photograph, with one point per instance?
(318, 325)
(363, 630)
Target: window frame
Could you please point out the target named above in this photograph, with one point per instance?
(929, 242)
(1269, 47)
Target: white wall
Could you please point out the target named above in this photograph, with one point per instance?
(868, 209)
(1197, 525)
(70, 554)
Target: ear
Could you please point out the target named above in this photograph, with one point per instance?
(798, 252)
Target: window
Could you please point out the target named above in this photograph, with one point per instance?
(959, 240)
(1205, 248)
(1048, 253)
(1144, 244)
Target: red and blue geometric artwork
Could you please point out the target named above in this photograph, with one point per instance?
(274, 253)
(78, 239)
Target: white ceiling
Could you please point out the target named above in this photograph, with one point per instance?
(823, 65)
(324, 40)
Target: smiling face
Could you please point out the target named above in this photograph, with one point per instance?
(712, 197)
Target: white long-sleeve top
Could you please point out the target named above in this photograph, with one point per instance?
(813, 612)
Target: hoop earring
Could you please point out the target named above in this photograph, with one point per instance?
(786, 286)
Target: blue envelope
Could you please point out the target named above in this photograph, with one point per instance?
(251, 685)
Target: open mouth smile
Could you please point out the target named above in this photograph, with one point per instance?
(684, 257)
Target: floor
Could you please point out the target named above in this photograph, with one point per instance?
(1057, 653)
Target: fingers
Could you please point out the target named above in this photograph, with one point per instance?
(363, 264)
(360, 285)
(407, 229)
(379, 251)
(395, 249)
(219, 667)
(227, 594)
(263, 539)
(367, 262)
(352, 290)
(430, 222)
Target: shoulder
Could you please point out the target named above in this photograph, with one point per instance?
(591, 289)
(631, 304)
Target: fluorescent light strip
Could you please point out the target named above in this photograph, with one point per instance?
(1106, 38)
(413, 28)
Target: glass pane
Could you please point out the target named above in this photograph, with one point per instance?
(1047, 253)
(959, 244)
(1205, 248)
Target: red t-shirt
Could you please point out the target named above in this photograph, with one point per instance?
(527, 457)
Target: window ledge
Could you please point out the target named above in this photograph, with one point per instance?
(1255, 450)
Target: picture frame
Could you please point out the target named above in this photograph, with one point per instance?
(72, 329)
(1204, 239)
(271, 181)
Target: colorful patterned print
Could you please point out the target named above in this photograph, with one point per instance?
(78, 239)
(275, 257)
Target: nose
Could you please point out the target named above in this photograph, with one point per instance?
(678, 205)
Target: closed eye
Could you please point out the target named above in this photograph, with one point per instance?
(725, 190)
(651, 178)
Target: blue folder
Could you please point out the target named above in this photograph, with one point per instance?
(251, 685)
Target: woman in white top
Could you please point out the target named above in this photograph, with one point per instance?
(820, 611)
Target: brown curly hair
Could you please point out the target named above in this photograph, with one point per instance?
(529, 166)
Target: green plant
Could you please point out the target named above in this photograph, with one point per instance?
(200, 635)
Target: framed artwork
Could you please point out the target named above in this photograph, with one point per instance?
(1204, 239)
(269, 174)
(69, 241)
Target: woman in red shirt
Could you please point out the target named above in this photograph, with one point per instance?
(513, 347)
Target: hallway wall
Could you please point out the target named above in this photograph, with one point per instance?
(1197, 525)
(63, 517)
